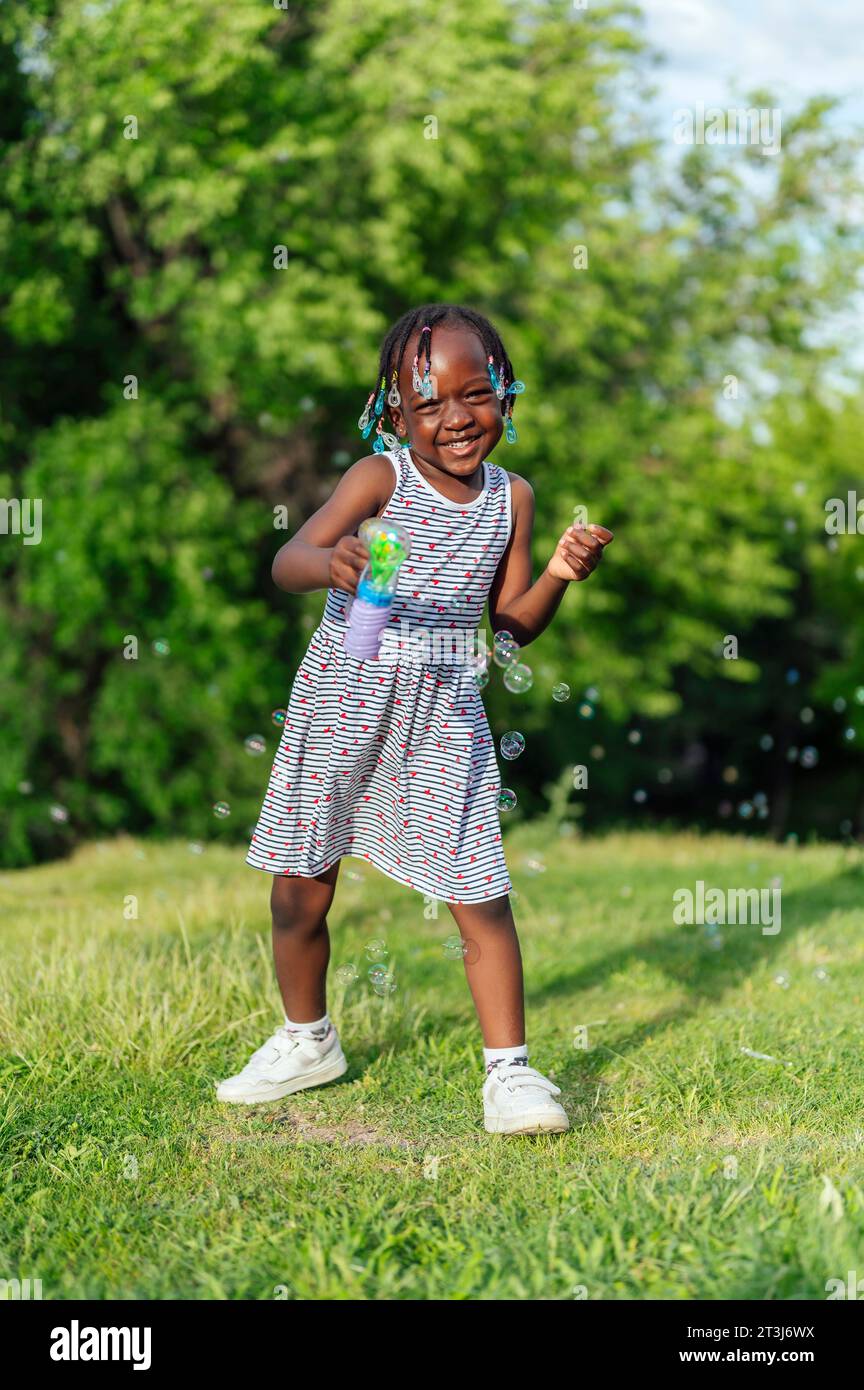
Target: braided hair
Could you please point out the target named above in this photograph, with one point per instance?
(432, 316)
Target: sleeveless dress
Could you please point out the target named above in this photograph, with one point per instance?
(394, 762)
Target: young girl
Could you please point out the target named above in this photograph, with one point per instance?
(393, 761)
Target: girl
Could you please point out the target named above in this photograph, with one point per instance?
(393, 761)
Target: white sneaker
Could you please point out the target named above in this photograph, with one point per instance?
(286, 1063)
(518, 1100)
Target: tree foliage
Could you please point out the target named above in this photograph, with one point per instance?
(210, 215)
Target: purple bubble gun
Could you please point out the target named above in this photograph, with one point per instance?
(388, 544)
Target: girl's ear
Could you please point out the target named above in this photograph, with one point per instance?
(398, 421)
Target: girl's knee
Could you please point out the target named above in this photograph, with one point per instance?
(296, 905)
(475, 916)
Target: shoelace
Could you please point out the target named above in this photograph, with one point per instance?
(516, 1076)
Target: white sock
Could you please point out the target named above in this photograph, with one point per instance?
(493, 1055)
(318, 1030)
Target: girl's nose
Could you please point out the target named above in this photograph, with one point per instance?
(456, 416)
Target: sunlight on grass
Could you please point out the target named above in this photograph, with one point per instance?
(693, 1169)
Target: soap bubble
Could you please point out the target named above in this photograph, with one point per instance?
(821, 974)
(506, 799)
(592, 694)
(221, 809)
(535, 866)
(254, 745)
(766, 743)
(792, 755)
(809, 757)
(640, 796)
(634, 736)
(792, 676)
(849, 734)
(839, 704)
(782, 979)
(381, 980)
(512, 744)
(505, 637)
(745, 810)
(518, 678)
(598, 751)
(59, 814)
(806, 715)
(279, 716)
(455, 948)
(664, 775)
(505, 654)
(479, 661)
(347, 974)
(25, 788)
(195, 848)
(859, 694)
(376, 950)
(730, 774)
(725, 808)
(560, 692)
(586, 711)
(481, 679)
(161, 647)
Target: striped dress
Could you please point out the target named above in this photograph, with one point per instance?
(392, 761)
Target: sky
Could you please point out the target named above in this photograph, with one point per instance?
(714, 48)
(714, 51)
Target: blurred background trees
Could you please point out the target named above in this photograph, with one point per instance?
(209, 216)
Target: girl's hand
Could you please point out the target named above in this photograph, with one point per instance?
(347, 559)
(578, 552)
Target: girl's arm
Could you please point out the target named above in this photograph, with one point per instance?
(324, 552)
(516, 602)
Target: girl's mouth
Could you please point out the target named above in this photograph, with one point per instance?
(461, 446)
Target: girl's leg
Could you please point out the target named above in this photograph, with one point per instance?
(493, 965)
(301, 942)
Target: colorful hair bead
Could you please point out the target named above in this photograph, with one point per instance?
(497, 381)
(515, 388)
(379, 399)
(384, 440)
(510, 430)
(366, 417)
(393, 397)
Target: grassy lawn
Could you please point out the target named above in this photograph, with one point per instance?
(692, 1171)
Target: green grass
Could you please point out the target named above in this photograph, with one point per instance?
(692, 1171)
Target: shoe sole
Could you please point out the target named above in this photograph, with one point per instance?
(524, 1124)
(337, 1068)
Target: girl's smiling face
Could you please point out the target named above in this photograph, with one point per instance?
(459, 426)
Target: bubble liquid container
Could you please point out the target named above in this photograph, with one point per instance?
(388, 545)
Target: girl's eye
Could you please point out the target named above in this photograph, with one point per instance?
(478, 393)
